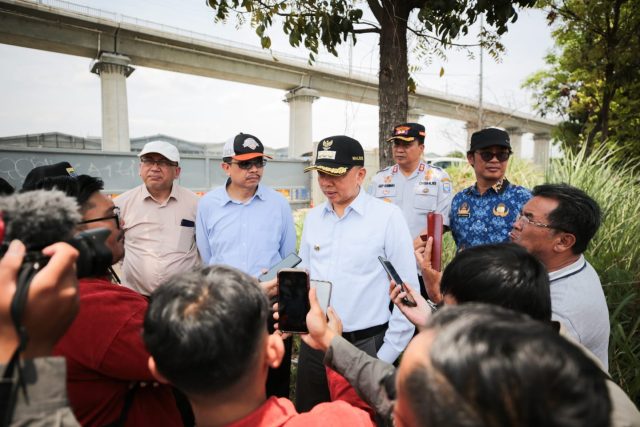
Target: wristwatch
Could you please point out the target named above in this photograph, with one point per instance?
(432, 305)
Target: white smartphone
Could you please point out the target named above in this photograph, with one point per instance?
(323, 292)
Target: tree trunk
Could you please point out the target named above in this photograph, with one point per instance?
(394, 74)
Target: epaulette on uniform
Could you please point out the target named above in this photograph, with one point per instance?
(382, 170)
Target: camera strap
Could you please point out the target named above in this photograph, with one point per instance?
(10, 385)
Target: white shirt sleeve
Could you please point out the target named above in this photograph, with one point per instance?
(399, 250)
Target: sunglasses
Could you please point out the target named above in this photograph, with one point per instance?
(116, 216)
(487, 156)
(248, 164)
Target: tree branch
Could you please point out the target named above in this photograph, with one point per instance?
(568, 15)
(366, 30)
(444, 43)
(376, 9)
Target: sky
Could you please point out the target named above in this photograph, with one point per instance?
(50, 92)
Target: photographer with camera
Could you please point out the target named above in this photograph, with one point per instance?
(108, 380)
(52, 303)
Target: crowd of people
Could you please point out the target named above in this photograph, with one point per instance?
(514, 331)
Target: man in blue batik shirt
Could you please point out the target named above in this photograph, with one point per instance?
(485, 212)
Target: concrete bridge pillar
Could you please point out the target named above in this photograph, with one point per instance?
(541, 149)
(414, 115)
(113, 70)
(300, 101)
(515, 136)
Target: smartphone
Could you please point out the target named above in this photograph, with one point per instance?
(393, 274)
(289, 261)
(293, 300)
(323, 292)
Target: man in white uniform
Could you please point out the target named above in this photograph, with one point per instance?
(341, 242)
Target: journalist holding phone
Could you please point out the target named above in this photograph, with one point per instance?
(341, 242)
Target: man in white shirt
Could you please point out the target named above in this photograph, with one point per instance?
(556, 226)
(341, 242)
(159, 221)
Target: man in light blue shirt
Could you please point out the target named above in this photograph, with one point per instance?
(244, 224)
(248, 226)
(341, 242)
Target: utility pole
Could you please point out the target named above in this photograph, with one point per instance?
(480, 124)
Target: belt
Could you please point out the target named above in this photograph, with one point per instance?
(363, 334)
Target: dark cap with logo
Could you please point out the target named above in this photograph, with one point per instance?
(36, 175)
(408, 132)
(243, 147)
(489, 137)
(335, 155)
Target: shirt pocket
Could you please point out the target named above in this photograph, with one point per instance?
(426, 198)
(385, 190)
(186, 239)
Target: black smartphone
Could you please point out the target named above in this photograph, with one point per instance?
(289, 261)
(393, 274)
(293, 300)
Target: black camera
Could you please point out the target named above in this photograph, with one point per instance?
(94, 258)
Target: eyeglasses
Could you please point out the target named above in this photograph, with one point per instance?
(487, 156)
(248, 164)
(163, 163)
(527, 220)
(116, 216)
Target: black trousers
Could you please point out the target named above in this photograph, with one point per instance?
(311, 382)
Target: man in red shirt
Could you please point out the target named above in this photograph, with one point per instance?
(206, 331)
(106, 358)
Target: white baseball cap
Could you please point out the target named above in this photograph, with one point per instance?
(161, 147)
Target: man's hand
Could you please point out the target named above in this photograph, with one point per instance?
(52, 302)
(321, 332)
(417, 315)
(270, 287)
(430, 277)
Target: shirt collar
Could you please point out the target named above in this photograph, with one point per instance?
(498, 188)
(569, 270)
(260, 193)
(172, 195)
(356, 205)
(422, 167)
